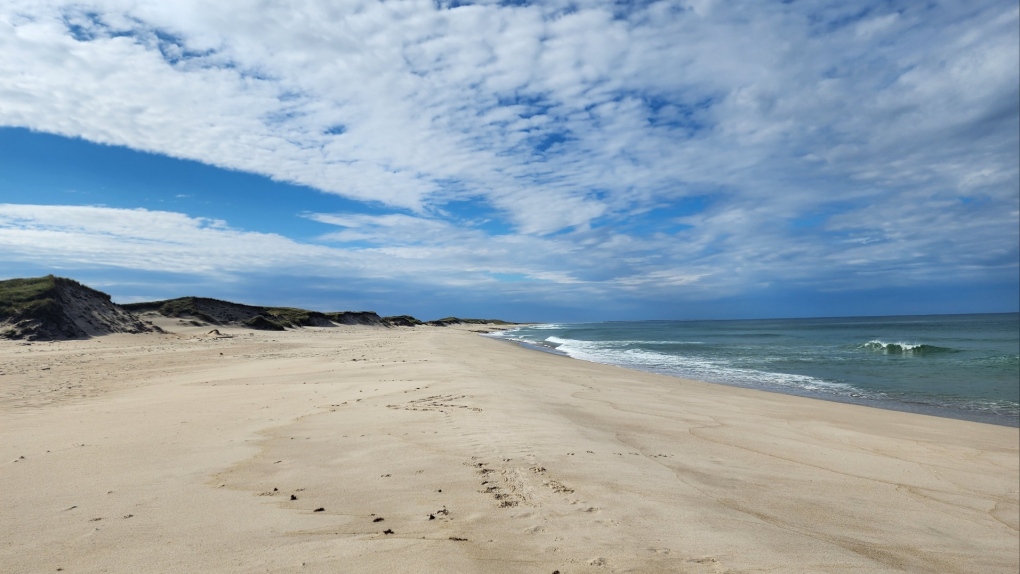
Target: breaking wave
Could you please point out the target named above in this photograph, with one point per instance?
(699, 368)
(904, 348)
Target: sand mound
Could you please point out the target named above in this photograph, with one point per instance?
(48, 308)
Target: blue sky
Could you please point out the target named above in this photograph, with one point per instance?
(551, 161)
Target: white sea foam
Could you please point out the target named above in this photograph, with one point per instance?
(876, 344)
(900, 347)
(623, 342)
(715, 370)
(874, 361)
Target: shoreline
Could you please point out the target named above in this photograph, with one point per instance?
(185, 451)
(890, 405)
(903, 405)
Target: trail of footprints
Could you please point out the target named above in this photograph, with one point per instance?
(509, 486)
(441, 403)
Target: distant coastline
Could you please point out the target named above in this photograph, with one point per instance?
(54, 308)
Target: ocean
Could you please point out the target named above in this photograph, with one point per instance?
(957, 366)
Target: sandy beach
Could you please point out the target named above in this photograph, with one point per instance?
(361, 449)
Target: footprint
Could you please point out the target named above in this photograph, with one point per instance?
(558, 487)
(659, 550)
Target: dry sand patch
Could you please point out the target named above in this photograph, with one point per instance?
(436, 450)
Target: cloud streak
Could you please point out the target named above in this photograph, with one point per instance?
(690, 148)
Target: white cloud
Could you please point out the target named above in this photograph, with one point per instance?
(720, 255)
(148, 240)
(871, 121)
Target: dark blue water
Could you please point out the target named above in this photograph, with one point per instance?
(959, 366)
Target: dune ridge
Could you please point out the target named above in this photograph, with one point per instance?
(54, 308)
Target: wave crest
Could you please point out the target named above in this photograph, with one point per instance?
(900, 348)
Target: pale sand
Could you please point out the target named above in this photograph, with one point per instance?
(154, 453)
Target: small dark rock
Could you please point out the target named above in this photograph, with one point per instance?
(380, 519)
(292, 497)
(319, 509)
(387, 531)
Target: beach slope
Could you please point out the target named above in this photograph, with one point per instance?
(362, 449)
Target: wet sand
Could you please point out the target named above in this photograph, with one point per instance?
(363, 449)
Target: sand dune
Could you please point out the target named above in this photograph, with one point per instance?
(47, 308)
(360, 449)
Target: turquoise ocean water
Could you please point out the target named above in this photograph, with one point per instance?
(958, 366)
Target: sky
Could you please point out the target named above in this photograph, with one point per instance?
(548, 161)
